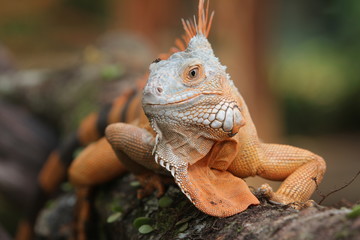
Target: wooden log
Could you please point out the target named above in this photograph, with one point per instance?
(117, 209)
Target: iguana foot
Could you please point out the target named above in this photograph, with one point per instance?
(151, 182)
(303, 205)
(277, 198)
(268, 192)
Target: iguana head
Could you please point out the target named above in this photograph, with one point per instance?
(192, 105)
(191, 87)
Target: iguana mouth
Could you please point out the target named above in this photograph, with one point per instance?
(181, 98)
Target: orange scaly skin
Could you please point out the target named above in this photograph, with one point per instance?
(205, 139)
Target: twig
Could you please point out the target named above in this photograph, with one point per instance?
(324, 196)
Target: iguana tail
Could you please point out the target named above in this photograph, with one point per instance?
(55, 170)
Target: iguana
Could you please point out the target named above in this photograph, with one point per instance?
(205, 136)
(195, 127)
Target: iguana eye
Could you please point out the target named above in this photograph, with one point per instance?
(193, 73)
(156, 60)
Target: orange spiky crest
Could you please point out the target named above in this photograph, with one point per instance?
(192, 27)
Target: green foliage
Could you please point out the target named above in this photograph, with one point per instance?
(50, 203)
(145, 229)
(355, 212)
(67, 187)
(183, 227)
(20, 27)
(110, 72)
(113, 217)
(143, 225)
(138, 222)
(116, 207)
(135, 184)
(314, 69)
(117, 211)
(165, 202)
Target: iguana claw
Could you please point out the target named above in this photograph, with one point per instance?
(279, 199)
(150, 183)
(275, 198)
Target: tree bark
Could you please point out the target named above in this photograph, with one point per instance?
(181, 220)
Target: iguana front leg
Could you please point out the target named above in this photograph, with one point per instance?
(297, 167)
(133, 146)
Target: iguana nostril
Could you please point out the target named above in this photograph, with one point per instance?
(159, 90)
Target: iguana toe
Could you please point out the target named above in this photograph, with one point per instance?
(150, 183)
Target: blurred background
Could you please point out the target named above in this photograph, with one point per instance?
(295, 62)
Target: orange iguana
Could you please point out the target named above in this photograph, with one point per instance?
(195, 127)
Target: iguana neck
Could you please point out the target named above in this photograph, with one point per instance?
(179, 145)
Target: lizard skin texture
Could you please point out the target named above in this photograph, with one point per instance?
(195, 127)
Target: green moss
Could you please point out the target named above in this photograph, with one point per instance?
(166, 219)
